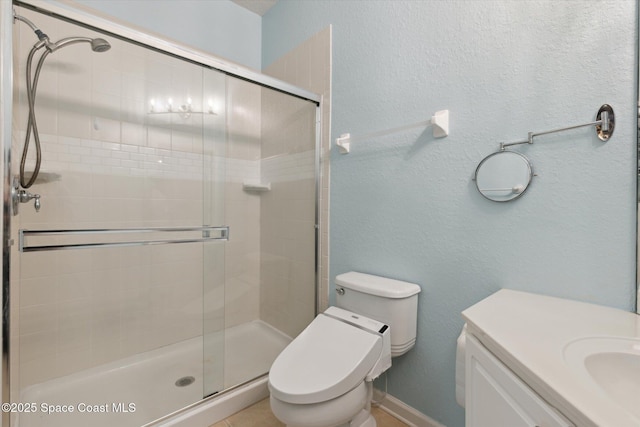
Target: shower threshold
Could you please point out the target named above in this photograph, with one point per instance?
(139, 389)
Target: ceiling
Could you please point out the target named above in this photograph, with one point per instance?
(257, 6)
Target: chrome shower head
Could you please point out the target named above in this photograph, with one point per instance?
(97, 45)
(100, 45)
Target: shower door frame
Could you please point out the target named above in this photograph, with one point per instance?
(92, 20)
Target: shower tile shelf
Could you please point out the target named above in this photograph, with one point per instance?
(49, 240)
(256, 187)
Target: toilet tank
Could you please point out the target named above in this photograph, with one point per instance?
(390, 301)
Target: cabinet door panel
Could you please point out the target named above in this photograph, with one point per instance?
(496, 397)
(492, 405)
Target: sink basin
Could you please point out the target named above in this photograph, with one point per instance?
(611, 366)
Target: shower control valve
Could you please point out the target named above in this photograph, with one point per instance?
(36, 203)
(24, 196)
(20, 195)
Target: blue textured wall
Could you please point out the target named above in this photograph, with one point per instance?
(405, 206)
(219, 26)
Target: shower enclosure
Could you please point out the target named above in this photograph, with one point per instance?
(173, 254)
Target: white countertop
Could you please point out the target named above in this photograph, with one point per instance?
(529, 332)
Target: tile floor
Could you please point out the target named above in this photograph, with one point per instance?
(259, 415)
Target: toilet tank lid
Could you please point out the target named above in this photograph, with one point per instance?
(376, 285)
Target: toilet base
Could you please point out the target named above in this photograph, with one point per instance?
(363, 419)
(332, 413)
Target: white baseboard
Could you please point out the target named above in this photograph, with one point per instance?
(404, 412)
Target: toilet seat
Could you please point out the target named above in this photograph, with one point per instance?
(328, 359)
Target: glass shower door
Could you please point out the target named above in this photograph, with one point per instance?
(214, 170)
(269, 204)
(107, 282)
(120, 293)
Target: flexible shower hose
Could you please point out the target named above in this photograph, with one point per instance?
(32, 126)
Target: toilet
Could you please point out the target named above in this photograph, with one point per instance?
(324, 377)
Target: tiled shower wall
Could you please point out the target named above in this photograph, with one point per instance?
(287, 226)
(308, 66)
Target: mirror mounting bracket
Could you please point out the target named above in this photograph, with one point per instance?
(604, 126)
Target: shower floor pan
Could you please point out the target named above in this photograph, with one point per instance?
(139, 389)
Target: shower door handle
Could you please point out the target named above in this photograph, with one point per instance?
(80, 238)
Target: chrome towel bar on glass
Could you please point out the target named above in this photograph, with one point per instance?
(68, 239)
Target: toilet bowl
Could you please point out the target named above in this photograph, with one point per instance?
(323, 378)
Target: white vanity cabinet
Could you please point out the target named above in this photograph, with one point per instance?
(496, 397)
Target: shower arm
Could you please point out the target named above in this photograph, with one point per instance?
(44, 39)
(28, 22)
(604, 124)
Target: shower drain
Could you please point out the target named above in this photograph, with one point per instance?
(185, 381)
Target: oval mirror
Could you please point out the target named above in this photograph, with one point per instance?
(503, 176)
